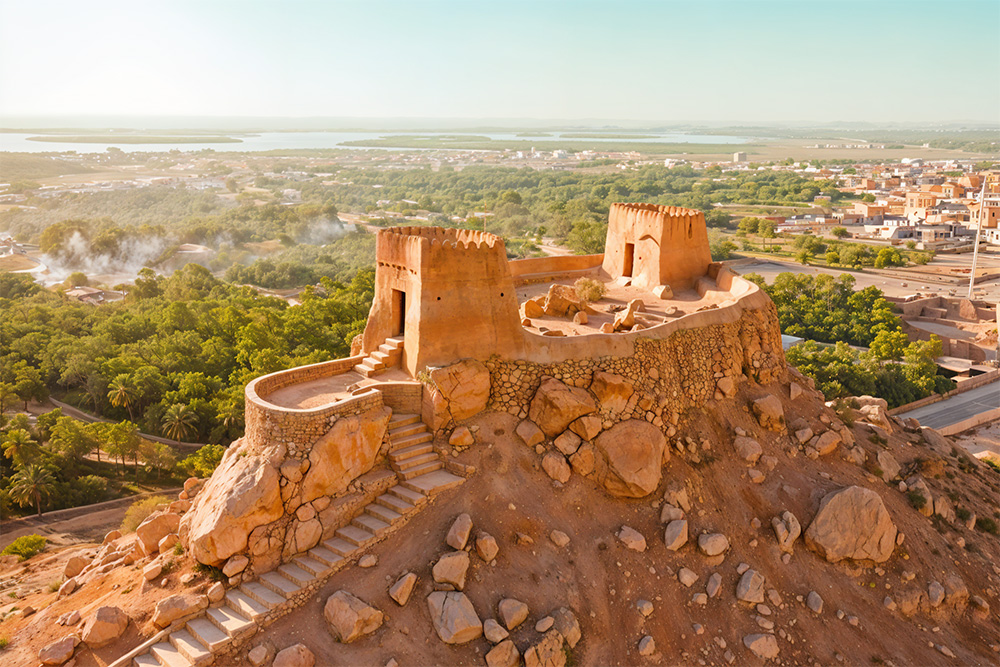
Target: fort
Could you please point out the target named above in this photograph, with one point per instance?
(454, 329)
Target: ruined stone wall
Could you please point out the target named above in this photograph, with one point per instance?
(670, 375)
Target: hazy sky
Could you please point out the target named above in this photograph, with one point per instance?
(864, 60)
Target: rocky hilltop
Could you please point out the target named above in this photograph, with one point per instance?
(768, 528)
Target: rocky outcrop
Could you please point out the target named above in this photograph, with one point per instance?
(242, 494)
(350, 617)
(171, 608)
(629, 459)
(555, 405)
(155, 528)
(347, 451)
(852, 523)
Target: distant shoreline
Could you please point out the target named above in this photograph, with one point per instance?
(133, 139)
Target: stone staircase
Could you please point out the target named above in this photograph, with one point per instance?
(420, 474)
(386, 356)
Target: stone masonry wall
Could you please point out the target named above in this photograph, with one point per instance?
(682, 371)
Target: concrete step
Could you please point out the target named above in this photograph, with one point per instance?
(340, 547)
(420, 470)
(245, 605)
(230, 622)
(402, 419)
(206, 632)
(192, 649)
(410, 440)
(315, 567)
(414, 461)
(297, 575)
(389, 348)
(415, 498)
(283, 586)
(355, 535)
(383, 513)
(397, 505)
(168, 655)
(262, 594)
(412, 450)
(433, 482)
(325, 556)
(414, 428)
(370, 523)
(395, 341)
(146, 660)
(365, 371)
(385, 358)
(373, 364)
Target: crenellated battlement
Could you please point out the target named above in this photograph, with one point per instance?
(424, 249)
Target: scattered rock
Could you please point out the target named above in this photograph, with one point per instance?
(750, 587)
(461, 438)
(512, 612)
(454, 618)
(216, 592)
(544, 624)
(171, 608)
(583, 460)
(852, 523)
(762, 645)
(686, 577)
(645, 607)
(714, 585)
(747, 449)
(504, 654)
(567, 625)
(106, 625)
(59, 651)
(487, 547)
(814, 602)
(401, 590)
(632, 539)
(153, 570)
(676, 534)
(787, 529)
(298, 655)
(935, 593)
(368, 560)
(451, 569)
(350, 617)
(713, 544)
(670, 513)
(827, 443)
(888, 464)
(458, 534)
(559, 538)
(493, 631)
(769, 413)
(530, 433)
(262, 654)
(647, 646)
(74, 566)
(556, 405)
(567, 443)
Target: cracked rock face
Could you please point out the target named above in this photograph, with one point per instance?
(852, 523)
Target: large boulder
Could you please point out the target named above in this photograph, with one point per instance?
(852, 523)
(454, 618)
(106, 625)
(242, 494)
(345, 452)
(154, 528)
(612, 391)
(555, 405)
(451, 569)
(350, 617)
(629, 458)
(465, 386)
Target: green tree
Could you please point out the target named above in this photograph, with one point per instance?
(803, 257)
(889, 345)
(19, 447)
(179, 422)
(832, 257)
(74, 439)
(888, 257)
(766, 230)
(159, 455)
(31, 485)
(750, 225)
(840, 232)
(28, 384)
(122, 393)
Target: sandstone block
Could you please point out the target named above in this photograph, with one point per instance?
(459, 532)
(630, 456)
(401, 590)
(556, 467)
(465, 386)
(58, 652)
(504, 654)
(556, 405)
(676, 534)
(512, 612)
(583, 461)
(154, 528)
(451, 569)
(852, 523)
(530, 433)
(769, 413)
(298, 655)
(349, 617)
(612, 391)
(454, 618)
(487, 547)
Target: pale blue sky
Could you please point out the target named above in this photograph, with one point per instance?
(665, 61)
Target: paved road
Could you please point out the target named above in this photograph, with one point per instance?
(957, 408)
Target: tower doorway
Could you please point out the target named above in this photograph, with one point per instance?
(398, 312)
(629, 259)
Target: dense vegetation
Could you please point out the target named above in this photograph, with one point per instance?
(828, 310)
(174, 355)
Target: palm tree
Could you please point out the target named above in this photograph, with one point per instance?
(31, 484)
(179, 422)
(18, 446)
(122, 394)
